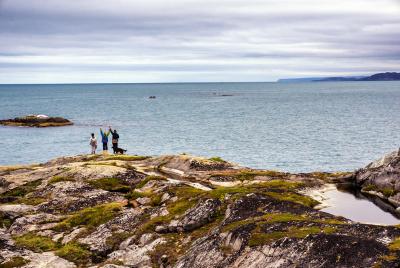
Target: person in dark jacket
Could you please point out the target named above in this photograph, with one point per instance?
(115, 138)
(104, 140)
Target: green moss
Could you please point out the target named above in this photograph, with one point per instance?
(90, 217)
(22, 190)
(75, 253)
(217, 159)
(35, 242)
(249, 175)
(279, 217)
(370, 187)
(111, 184)
(147, 179)
(155, 200)
(395, 245)
(175, 209)
(14, 262)
(387, 192)
(135, 194)
(257, 238)
(294, 197)
(221, 192)
(127, 157)
(31, 200)
(5, 220)
(56, 179)
(116, 239)
(172, 248)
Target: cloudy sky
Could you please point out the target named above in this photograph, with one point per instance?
(58, 41)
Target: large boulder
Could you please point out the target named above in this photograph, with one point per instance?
(382, 178)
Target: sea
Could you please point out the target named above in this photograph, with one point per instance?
(294, 127)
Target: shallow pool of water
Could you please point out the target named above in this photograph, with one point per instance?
(353, 205)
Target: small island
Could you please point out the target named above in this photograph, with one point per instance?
(36, 121)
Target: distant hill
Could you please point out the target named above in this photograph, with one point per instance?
(388, 76)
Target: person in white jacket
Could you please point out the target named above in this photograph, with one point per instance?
(93, 143)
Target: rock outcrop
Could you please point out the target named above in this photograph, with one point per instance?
(36, 121)
(182, 211)
(382, 178)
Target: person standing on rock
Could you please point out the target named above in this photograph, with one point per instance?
(115, 138)
(104, 140)
(93, 143)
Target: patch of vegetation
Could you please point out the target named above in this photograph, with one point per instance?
(22, 190)
(135, 194)
(172, 248)
(279, 217)
(113, 164)
(370, 187)
(327, 176)
(258, 238)
(35, 242)
(111, 184)
(9, 169)
(16, 261)
(56, 179)
(249, 175)
(116, 239)
(175, 210)
(149, 178)
(90, 217)
(239, 191)
(395, 245)
(294, 197)
(5, 220)
(126, 157)
(389, 258)
(75, 253)
(31, 200)
(217, 159)
(155, 200)
(387, 192)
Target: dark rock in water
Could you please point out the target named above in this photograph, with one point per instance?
(36, 121)
(152, 97)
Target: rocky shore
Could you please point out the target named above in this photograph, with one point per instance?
(184, 211)
(36, 121)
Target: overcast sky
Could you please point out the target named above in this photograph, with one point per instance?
(58, 41)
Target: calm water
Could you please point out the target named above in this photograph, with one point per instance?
(293, 127)
(353, 205)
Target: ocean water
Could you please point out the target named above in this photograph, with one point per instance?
(295, 127)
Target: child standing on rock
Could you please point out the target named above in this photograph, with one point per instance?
(93, 143)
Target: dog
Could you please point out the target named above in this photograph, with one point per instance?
(119, 151)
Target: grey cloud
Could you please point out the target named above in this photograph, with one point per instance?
(182, 37)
